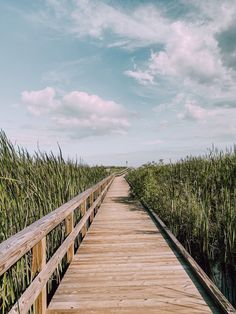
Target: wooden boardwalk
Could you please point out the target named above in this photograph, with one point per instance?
(124, 265)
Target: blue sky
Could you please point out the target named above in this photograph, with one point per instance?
(112, 81)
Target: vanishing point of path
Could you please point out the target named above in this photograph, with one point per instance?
(124, 265)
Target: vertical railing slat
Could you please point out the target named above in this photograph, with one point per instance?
(91, 200)
(69, 228)
(83, 211)
(38, 262)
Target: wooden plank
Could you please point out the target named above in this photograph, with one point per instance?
(124, 265)
(162, 309)
(175, 305)
(15, 247)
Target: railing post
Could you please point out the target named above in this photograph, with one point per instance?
(83, 211)
(69, 228)
(97, 196)
(91, 200)
(94, 199)
(103, 187)
(100, 192)
(38, 262)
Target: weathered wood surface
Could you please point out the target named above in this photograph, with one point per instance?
(124, 265)
(15, 247)
(38, 263)
(69, 228)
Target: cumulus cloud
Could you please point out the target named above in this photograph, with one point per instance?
(217, 121)
(195, 112)
(189, 54)
(197, 56)
(78, 113)
(85, 104)
(207, 123)
(40, 101)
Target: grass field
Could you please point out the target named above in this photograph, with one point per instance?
(31, 187)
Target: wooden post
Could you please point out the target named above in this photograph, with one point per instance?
(38, 262)
(69, 228)
(91, 199)
(95, 194)
(103, 188)
(83, 211)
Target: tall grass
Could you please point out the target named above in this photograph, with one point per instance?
(31, 186)
(196, 198)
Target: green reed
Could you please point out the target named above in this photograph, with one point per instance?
(31, 186)
(196, 198)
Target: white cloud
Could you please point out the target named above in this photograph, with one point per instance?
(135, 27)
(139, 26)
(78, 113)
(190, 53)
(86, 104)
(40, 101)
(143, 78)
(175, 102)
(216, 122)
(196, 112)
(191, 57)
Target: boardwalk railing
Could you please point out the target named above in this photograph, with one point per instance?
(34, 237)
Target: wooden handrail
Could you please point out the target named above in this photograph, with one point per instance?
(19, 244)
(34, 237)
